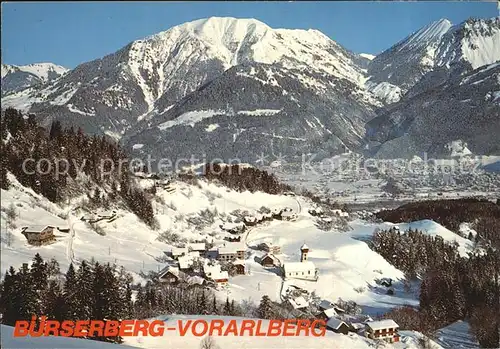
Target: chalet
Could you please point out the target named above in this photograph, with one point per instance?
(39, 235)
(337, 326)
(328, 313)
(169, 274)
(384, 329)
(340, 213)
(387, 282)
(239, 266)
(231, 251)
(269, 261)
(215, 274)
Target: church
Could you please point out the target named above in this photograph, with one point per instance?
(304, 269)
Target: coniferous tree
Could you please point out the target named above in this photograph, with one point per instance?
(39, 279)
(55, 303)
(214, 306)
(70, 292)
(85, 295)
(227, 307)
(265, 309)
(27, 297)
(10, 298)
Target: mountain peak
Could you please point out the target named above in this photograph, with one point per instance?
(429, 34)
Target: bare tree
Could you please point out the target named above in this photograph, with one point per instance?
(208, 343)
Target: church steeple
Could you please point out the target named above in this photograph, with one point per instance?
(304, 250)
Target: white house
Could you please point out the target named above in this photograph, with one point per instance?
(300, 270)
(231, 251)
(383, 329)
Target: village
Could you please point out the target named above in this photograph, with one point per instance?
(213, 264)
(198, 264)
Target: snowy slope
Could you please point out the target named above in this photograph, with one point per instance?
(409, 339)
(435, 229)
(330, 340)
(456, 336)
(474, 41)
(8, 341)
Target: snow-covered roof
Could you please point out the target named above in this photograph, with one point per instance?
(37, 228)
(238, 262)
(381, 324)
(287, 214)
(304, 247)
(270, 255)
(334, 323)
(214, 272)
(326, 304)
(299, 302)
(173, 270)
(185, 262)
(250, 219)
(293, 267)
(177, 251)
(198, 246)
(330, 312)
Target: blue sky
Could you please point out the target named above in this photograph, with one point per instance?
(72, 33)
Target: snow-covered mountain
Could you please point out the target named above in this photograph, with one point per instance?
(259, 109)
(16, 78)
(407, 61)
(237, 87)
(463, 110)
(148, 76)
(432, 54)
